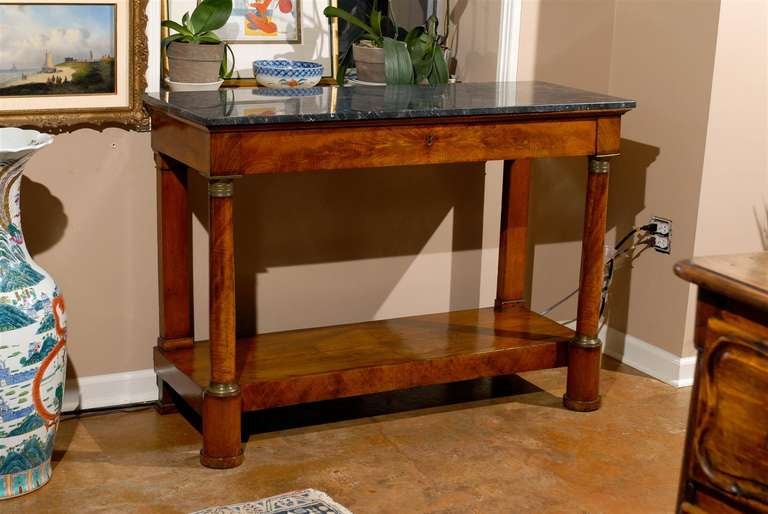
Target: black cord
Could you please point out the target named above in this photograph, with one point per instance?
(128, 407)
(606, 286)
(610, 264)
(650, 227)
(625, 238)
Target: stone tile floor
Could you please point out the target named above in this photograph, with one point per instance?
(486, 446)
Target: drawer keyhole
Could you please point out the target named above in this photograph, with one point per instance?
(430, 140)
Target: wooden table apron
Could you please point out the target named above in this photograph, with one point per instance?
(223, 153)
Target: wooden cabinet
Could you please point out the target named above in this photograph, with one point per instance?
(725, 468)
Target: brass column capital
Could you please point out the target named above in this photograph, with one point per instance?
(222, 390)
(221, 188)
(587, 342)
(599, 164)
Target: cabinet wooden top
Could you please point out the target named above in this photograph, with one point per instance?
(252, 107)
(743, 277)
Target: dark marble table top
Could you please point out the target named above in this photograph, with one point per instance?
(251, 106)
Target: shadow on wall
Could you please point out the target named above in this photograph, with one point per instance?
(44, 220)
(43, 223)
(557, 210)
(625, 201)
(354, 215)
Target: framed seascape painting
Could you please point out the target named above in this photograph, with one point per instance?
(271, 29)
(67, 64)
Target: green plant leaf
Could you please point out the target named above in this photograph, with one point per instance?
(422, 69)
(413, 35)
(335, 12)
(209, 37)
(431, 26)
(185, 21)
(345, 61)
(174, 37)
(210, 15)
(397, 62)
(227, 66)
(439, 74)
(341, 74)
(178, 28)
(421, 47)
(376, 22)
(377, 41)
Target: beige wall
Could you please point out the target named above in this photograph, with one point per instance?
(663, 55)
(88, 205)
(567, 42)
(313, 249)
(732, 206)
(736, 156)
(660, 53)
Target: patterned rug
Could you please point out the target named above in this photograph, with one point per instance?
(308, 501)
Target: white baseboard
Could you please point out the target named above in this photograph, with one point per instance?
(643, 356)
(110, 390)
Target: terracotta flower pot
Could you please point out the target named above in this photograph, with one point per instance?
(369, 63)
(189, 62)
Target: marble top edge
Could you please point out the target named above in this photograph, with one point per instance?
(251, 106)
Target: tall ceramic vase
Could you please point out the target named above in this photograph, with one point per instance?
(32, 335)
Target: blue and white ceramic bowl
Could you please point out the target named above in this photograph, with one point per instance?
(284, 73)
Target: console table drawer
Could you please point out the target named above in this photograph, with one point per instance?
(344, 148)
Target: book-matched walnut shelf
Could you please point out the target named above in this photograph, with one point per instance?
(299, 366)
(231, 133)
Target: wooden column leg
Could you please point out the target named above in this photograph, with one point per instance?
(164, 404)
(583, 389)
(222, 401)
(513, 243)
(175, 255)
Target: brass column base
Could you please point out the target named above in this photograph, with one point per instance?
(580, 405)
(179, 343)
(220, 462)
(583, 386)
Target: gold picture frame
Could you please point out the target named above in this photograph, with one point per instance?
(130, 115)
(251, 81)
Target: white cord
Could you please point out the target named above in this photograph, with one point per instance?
(623, 253)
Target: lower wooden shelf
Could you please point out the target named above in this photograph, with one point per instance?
(300, 366)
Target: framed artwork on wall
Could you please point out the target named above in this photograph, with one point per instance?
(270, 29)
(263, 21)
(67, 64)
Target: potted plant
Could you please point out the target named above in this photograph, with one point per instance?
(195, 53)
(384, 52)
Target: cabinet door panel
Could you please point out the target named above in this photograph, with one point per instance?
(731, 435)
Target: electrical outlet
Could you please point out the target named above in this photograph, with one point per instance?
(661, 244)
(663, 226)
(662, 234)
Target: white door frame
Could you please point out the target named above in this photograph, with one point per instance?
(509, 40)
(153, 41)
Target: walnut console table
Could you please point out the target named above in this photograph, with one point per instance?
(231, 133)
